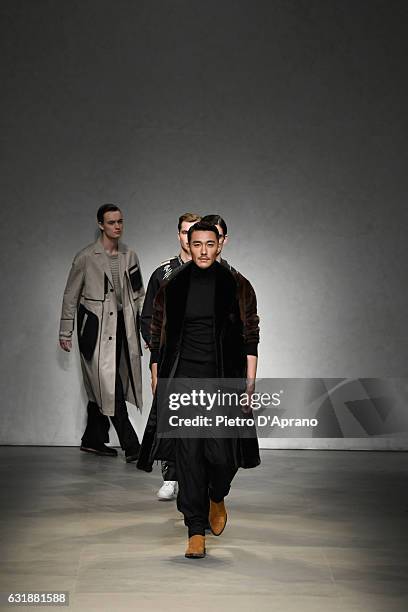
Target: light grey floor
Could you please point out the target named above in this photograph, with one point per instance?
(307, 531)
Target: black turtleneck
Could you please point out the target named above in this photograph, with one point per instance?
(198, 345)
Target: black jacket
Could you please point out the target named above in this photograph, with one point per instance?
(158, 277)
(161, 274)
(236, 334)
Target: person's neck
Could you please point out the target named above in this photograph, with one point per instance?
(110, 245)
(184, 256)
(204, 270)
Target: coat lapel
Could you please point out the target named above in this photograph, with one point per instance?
(102, 260)
(176, 299)
(123, 263)
(225, 293)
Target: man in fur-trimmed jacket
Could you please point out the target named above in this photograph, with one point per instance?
(168, 490)
(205, 325)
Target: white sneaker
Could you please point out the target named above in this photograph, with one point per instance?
(168, 490)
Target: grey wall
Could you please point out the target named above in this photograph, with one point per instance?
(287, 117)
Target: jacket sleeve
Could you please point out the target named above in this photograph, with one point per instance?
(136, 281)
(147, 311)
(135, 276)
(156, 327)
(249, 315)
(71, 297)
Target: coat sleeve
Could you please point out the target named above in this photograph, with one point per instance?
(137, 291)
(156, 328)
(135, 276)
(147, 311)
(71, 297)
(249, 315)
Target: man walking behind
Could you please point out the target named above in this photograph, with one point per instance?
(168, 490)
(104, 292)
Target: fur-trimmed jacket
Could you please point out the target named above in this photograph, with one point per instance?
(236, 335)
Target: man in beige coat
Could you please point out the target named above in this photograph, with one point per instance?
(105, 292)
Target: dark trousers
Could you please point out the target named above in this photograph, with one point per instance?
(168, 469)
(184, 370)
(200, 479)
(205, 467)
(97, 429)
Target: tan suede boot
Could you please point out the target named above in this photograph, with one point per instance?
(196, 547)
(217, 517)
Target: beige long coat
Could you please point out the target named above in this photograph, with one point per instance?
(90, 291)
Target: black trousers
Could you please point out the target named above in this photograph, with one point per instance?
(97, 429)
(168, 469)
(205, 467)
(201, 479)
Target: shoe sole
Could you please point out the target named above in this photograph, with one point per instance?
(93, 451)
(218, 534)
(167, 498)
(195, 555)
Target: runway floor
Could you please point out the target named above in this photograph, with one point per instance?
(307, 531)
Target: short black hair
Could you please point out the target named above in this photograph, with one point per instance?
(216, 220)
(104, 209)
(202, 226)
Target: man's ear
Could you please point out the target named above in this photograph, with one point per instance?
(226, 238)
(100, 225)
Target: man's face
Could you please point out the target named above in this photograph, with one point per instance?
(223, 239)
(182, 236)
(204, 247)
(112, 225)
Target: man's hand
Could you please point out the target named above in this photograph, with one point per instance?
(154, 377)
(252, 362)
(250, 387)
(249, 390)
(66, 345)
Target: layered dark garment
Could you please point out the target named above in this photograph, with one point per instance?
(236, 335)
(160, 276)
